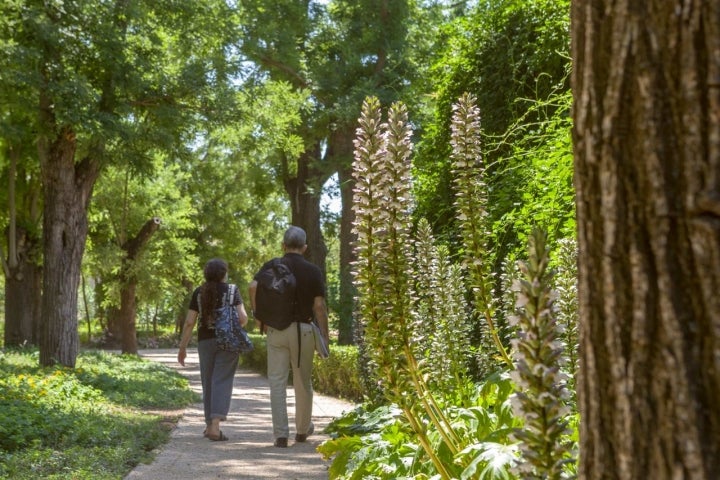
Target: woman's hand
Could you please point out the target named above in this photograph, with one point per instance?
(182, 354)
(242, 315)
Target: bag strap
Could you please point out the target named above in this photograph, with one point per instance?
(230, 297)
(231, 294)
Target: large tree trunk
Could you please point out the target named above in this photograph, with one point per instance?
(305, 190)
(646, 82)
(68, 187)
(342, 156)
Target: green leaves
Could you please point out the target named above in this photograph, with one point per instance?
(81, 422)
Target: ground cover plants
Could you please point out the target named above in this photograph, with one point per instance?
(96, 421)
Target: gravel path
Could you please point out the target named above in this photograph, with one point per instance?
(249, 454)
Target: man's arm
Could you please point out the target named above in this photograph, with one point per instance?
(321, 315)
(252, 290)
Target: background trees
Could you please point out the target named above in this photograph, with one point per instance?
(338, 53)
(226, 120)
(101, 84)
(646, 159)
(239, 110)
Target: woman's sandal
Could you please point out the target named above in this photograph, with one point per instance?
(217, 438)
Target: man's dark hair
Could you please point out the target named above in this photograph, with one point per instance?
(295, 237)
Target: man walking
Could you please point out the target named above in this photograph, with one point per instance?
(291, 341)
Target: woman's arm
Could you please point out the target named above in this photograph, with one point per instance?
(190, 320)
(242, 314)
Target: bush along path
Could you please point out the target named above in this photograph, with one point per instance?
(249, 453)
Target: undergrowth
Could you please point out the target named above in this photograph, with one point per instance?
(84, 423)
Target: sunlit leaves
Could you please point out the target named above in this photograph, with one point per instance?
(84, 422)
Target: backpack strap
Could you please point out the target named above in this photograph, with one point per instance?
(297, 323)
(299, 342)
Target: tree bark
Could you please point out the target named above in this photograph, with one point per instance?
(127, 315)
(22, 267)
(342, 154)
(646, 84)
(68, 187)
(305, 190)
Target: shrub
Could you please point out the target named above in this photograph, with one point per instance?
(337, 376)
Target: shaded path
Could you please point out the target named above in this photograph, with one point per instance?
(249, 454)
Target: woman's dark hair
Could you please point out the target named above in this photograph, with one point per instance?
(214, 271)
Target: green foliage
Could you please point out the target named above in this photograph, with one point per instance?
(122, 204)
(337, 376)
(536, 178)
(239, 211)
(82, 423)
(509, 54)
(379, 443)
(370, 445)
(131, 381)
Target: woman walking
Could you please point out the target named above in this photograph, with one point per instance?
(217, 367)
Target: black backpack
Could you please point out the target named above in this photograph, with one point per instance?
(275, 295)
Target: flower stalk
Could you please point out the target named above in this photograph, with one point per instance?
(542, 389)
(471, 204)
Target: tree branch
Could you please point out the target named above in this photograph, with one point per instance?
(134, 245)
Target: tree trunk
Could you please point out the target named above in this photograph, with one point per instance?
(126, 317)
(646, 82)
(23, 287)
(304, 191)
(342, 156)
(68, 187)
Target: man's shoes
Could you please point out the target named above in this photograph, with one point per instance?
(301, 437)
(281, 442)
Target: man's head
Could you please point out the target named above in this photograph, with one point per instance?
(295, 239)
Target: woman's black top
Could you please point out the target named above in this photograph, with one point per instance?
(204, 330)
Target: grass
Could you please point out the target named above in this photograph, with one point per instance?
(96, 421)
